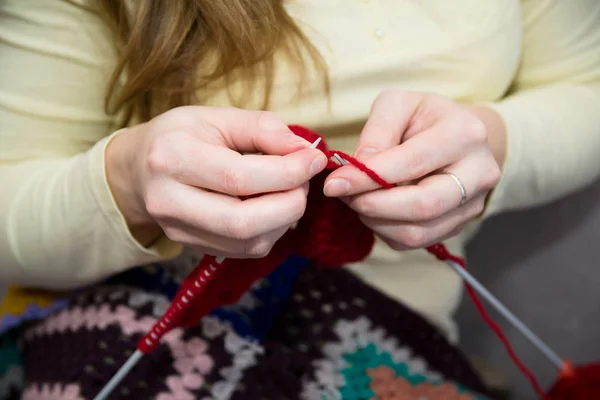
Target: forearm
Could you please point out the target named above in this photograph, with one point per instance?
(552, 145)
(60, 227)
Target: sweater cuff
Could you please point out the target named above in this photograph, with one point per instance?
(161, 249)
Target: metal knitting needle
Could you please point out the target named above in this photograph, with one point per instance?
(128, 366)
(315, 143)
(119, 376)
(498, 306)
(506, 313)
(340, 159)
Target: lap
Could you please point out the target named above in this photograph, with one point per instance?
(304, 333)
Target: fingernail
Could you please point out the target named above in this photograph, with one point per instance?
(366, 153)
(318, 164)
(336, 187)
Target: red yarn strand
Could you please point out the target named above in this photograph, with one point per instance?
(509, 349)
(372, 174)
(441, 252)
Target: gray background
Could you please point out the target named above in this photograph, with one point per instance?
(543, 265)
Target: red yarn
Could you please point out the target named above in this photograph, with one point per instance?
(442, 253)
(331, 234)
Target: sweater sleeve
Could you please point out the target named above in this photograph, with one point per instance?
(59, 224)
(552, 114)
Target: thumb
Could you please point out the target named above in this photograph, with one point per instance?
(253, 131)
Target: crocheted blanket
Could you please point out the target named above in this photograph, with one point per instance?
(304, 332)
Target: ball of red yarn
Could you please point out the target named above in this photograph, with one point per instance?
(582, 384)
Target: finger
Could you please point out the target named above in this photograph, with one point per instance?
(434, 148)
(252, 131)
(428, 199)
(417, 235)
(397, 116)
(212, 244)
(226, 171)
(389, 118)
(225, 215)
(400, 247)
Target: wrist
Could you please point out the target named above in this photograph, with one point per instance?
(122, 174)
(495, 128)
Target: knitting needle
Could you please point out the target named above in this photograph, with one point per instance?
(340, 159)
(129, 364)
(506, 313)
(498, 306)
(119, 376)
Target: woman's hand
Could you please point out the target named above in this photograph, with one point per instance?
(182, 173)
(412, 139)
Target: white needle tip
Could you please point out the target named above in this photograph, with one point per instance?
(315, 143)
(340, 159)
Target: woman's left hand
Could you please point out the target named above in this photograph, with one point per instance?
(432, 148)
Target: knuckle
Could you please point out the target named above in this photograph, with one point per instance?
(474, 130)
(234, 248)
(183, 116)
(413, 237)
(389, 98)
(425, 208)
(396, 245)
(379, 124)
(161, 156)
(388, 95)
(294, 173)
(257, 248)
(416, 164)
(495, 175)
(174, 234)
(234, 181)
(239, 228)
(268, 119)
(298, 208)
(157, 159)
(157, 207)
(492, 177)
(478, 208)
(365, 206)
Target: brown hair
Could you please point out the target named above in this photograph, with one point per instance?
(171, 51)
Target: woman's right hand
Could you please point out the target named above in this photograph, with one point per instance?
(182, 172)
